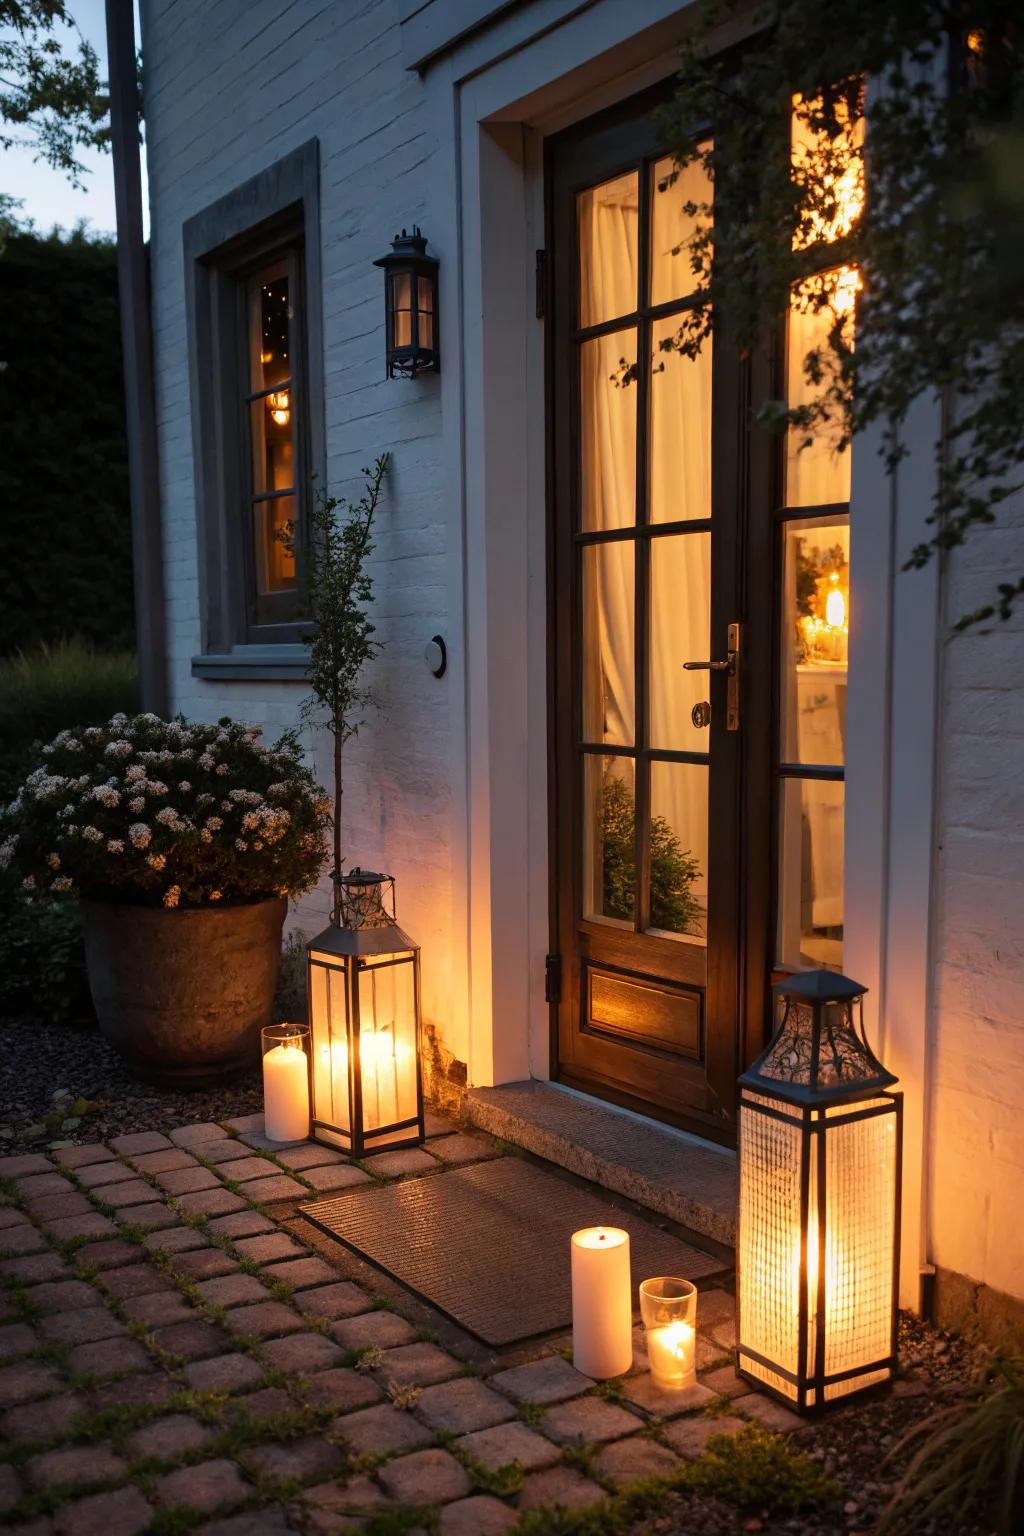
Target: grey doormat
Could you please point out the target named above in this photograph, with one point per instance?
(488, 1244)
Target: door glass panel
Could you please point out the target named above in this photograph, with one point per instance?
(608, 679)
(680, 445)
(679, 849)
(608, 225)
(815, 635)
(680, 630)
(672, 227)
(811, 874)
(608, 431)
(609, 839)
(817, 464)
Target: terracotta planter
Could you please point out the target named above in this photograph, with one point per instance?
(183, 995)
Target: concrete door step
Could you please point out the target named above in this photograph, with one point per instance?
(691, 1181)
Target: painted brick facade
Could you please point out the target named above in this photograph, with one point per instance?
(230, 89)
(977, 1043)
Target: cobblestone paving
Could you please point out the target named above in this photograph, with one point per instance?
(174, 1358)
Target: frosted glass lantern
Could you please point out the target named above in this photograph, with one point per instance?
(820, 1154)
(364, 1019)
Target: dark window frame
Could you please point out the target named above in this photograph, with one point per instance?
(275, 212)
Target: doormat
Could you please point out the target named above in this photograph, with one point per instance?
(488, 1244)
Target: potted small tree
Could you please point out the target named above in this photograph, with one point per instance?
(342, 639)
(183, 842)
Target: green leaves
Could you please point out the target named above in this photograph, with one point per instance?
(936, 240)
(51, 101)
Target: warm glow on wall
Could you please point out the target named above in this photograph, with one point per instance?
(819, 1179)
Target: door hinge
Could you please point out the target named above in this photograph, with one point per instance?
(553, 979)
(541, 279)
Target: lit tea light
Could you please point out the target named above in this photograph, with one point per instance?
(602, 1312)
(668, 1307)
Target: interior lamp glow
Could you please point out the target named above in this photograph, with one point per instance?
(364, 1016)
(820, 1158)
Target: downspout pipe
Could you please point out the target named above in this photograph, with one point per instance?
(137, 348)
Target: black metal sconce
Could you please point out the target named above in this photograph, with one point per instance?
(410, 306)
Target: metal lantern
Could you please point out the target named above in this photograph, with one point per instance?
(364, 1014)
(820, 1155)
(410, 306)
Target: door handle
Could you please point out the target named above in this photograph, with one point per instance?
(731, 667)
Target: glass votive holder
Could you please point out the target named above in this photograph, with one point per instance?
(285, 1081)
(668, 1307)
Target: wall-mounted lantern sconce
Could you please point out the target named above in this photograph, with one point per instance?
(410, 306)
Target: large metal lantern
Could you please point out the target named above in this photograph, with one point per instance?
(364, 1016)
(410, 306)
(820, 1155)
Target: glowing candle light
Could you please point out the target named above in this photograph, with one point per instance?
(285, 1084)
(669, 1310)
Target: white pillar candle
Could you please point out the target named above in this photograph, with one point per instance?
(285, 1093)
(602, 1311)
(671, 1353)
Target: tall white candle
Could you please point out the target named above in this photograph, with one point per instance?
(286, 1093)
(602, 1311)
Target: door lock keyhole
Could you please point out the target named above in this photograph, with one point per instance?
(700, 714)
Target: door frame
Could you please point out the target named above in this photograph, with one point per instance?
(750, 460)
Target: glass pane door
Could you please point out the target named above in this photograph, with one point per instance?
(644, 549)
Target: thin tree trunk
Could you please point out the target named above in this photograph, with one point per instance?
(336, 873)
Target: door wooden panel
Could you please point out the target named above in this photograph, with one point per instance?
(650, 513)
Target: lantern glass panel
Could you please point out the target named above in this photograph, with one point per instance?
(769, 1244)
(387, 1031)
(328, 1022)
(401, 301)
(860, 1183)
(425, 305)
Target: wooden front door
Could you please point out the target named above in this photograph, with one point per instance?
(659, 510)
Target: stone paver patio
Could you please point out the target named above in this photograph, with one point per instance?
(177, 1352)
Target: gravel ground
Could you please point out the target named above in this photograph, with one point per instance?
(63, 1083)
(852, 1445)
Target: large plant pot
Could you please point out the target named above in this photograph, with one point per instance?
(183, 995)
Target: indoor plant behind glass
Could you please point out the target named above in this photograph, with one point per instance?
(183, 842)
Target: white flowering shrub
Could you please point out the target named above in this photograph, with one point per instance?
(166, 813)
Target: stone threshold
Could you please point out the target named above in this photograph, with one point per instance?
(693, 1182)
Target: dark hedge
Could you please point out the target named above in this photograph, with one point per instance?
(65, 537)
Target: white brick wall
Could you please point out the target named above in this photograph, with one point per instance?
(230, 88)
(977, 1040)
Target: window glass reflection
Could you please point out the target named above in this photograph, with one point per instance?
(608, 681)
(679, 849)
(607, 218)
(609, 840)
(673, 227)
(815, 640)
(608, 430)
(811, 874)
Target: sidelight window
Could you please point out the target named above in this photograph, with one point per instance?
(815, 575)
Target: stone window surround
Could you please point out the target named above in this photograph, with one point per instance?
(282, 199)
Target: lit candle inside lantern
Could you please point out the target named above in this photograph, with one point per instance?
(286, 1093)
(602, 1311)
(672, 1355)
